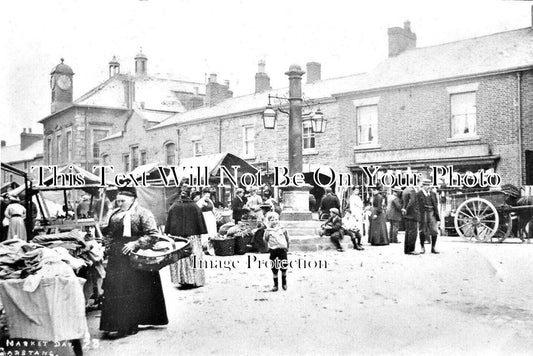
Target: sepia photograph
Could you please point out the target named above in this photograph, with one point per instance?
(289, 177)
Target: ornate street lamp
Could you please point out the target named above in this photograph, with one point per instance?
(318, 122)
(269, 116)
(296, 198)
(316, 119)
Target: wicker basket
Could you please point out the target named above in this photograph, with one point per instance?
(224, 247)
(241, 240)
(155, 263)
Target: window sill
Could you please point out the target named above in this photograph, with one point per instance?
(463, 138)
(368, 146)
(309, 151)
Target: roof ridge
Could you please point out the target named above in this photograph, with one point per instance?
(465, 40)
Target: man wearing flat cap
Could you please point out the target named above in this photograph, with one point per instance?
(333, 228)
(429, 215)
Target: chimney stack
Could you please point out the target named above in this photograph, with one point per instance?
(314, 72)
(3, 143)
(27, 138)
(401, 39)
(214, 92)
(262, 80)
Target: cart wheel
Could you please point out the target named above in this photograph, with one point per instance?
(476, 218)
(505, 227)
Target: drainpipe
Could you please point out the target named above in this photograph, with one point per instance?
(519, 110)
(220, 135)
(178, 144)
(86, 140)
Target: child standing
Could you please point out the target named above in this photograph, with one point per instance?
(278, 244)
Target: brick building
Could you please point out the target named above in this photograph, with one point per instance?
(466, 103)
(28, 153)
(74, 128)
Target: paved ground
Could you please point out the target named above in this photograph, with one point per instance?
(471, 299)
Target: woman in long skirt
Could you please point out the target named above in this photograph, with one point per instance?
(185, 219)
(131, 297)
(378, 225)
(16, 213)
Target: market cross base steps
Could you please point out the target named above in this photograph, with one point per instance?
(305, 237)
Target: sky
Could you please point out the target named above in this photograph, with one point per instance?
(189, 39)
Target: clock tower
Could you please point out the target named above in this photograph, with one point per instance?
(61, 85)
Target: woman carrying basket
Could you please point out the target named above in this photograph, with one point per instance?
(131, 297)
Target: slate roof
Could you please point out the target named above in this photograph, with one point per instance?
(490, 54)
(162, 94)
(13, 154)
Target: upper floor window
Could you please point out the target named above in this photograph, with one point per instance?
(97, 136)
(367, 124)
(59, 148)
(170, 153)
(308, 136)
(68, 143)
(134, 152)
(126, 159)
(248, 140)
(197, 149)
(49, 150)
(143, 158)
(463, 114)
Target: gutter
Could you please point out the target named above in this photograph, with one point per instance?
(434, 81)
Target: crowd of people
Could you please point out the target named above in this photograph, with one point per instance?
(416, 208)
(133, 297)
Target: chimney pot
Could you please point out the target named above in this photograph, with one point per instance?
(29, 129)
(24, 130)
(407, 26)
(226, 83)
(261, 66)
(262, 80)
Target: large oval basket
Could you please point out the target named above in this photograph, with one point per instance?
(155, 263)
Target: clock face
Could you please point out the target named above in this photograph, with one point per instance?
(64, 82)
(52, 82)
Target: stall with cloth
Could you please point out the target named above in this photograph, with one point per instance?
(42, 297)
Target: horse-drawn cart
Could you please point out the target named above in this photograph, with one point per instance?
(488, 215)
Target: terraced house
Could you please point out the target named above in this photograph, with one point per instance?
(467, 103)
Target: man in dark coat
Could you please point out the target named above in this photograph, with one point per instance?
(394, 214)
(429, 216)
(185, 218)
(329, 201)
(237, 205)
(411, 215)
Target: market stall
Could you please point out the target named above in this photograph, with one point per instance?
(41, 295)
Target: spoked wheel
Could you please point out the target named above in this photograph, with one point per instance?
(476, 218)
(505, 226)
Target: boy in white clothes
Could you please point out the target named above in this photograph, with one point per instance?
(278, 244)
